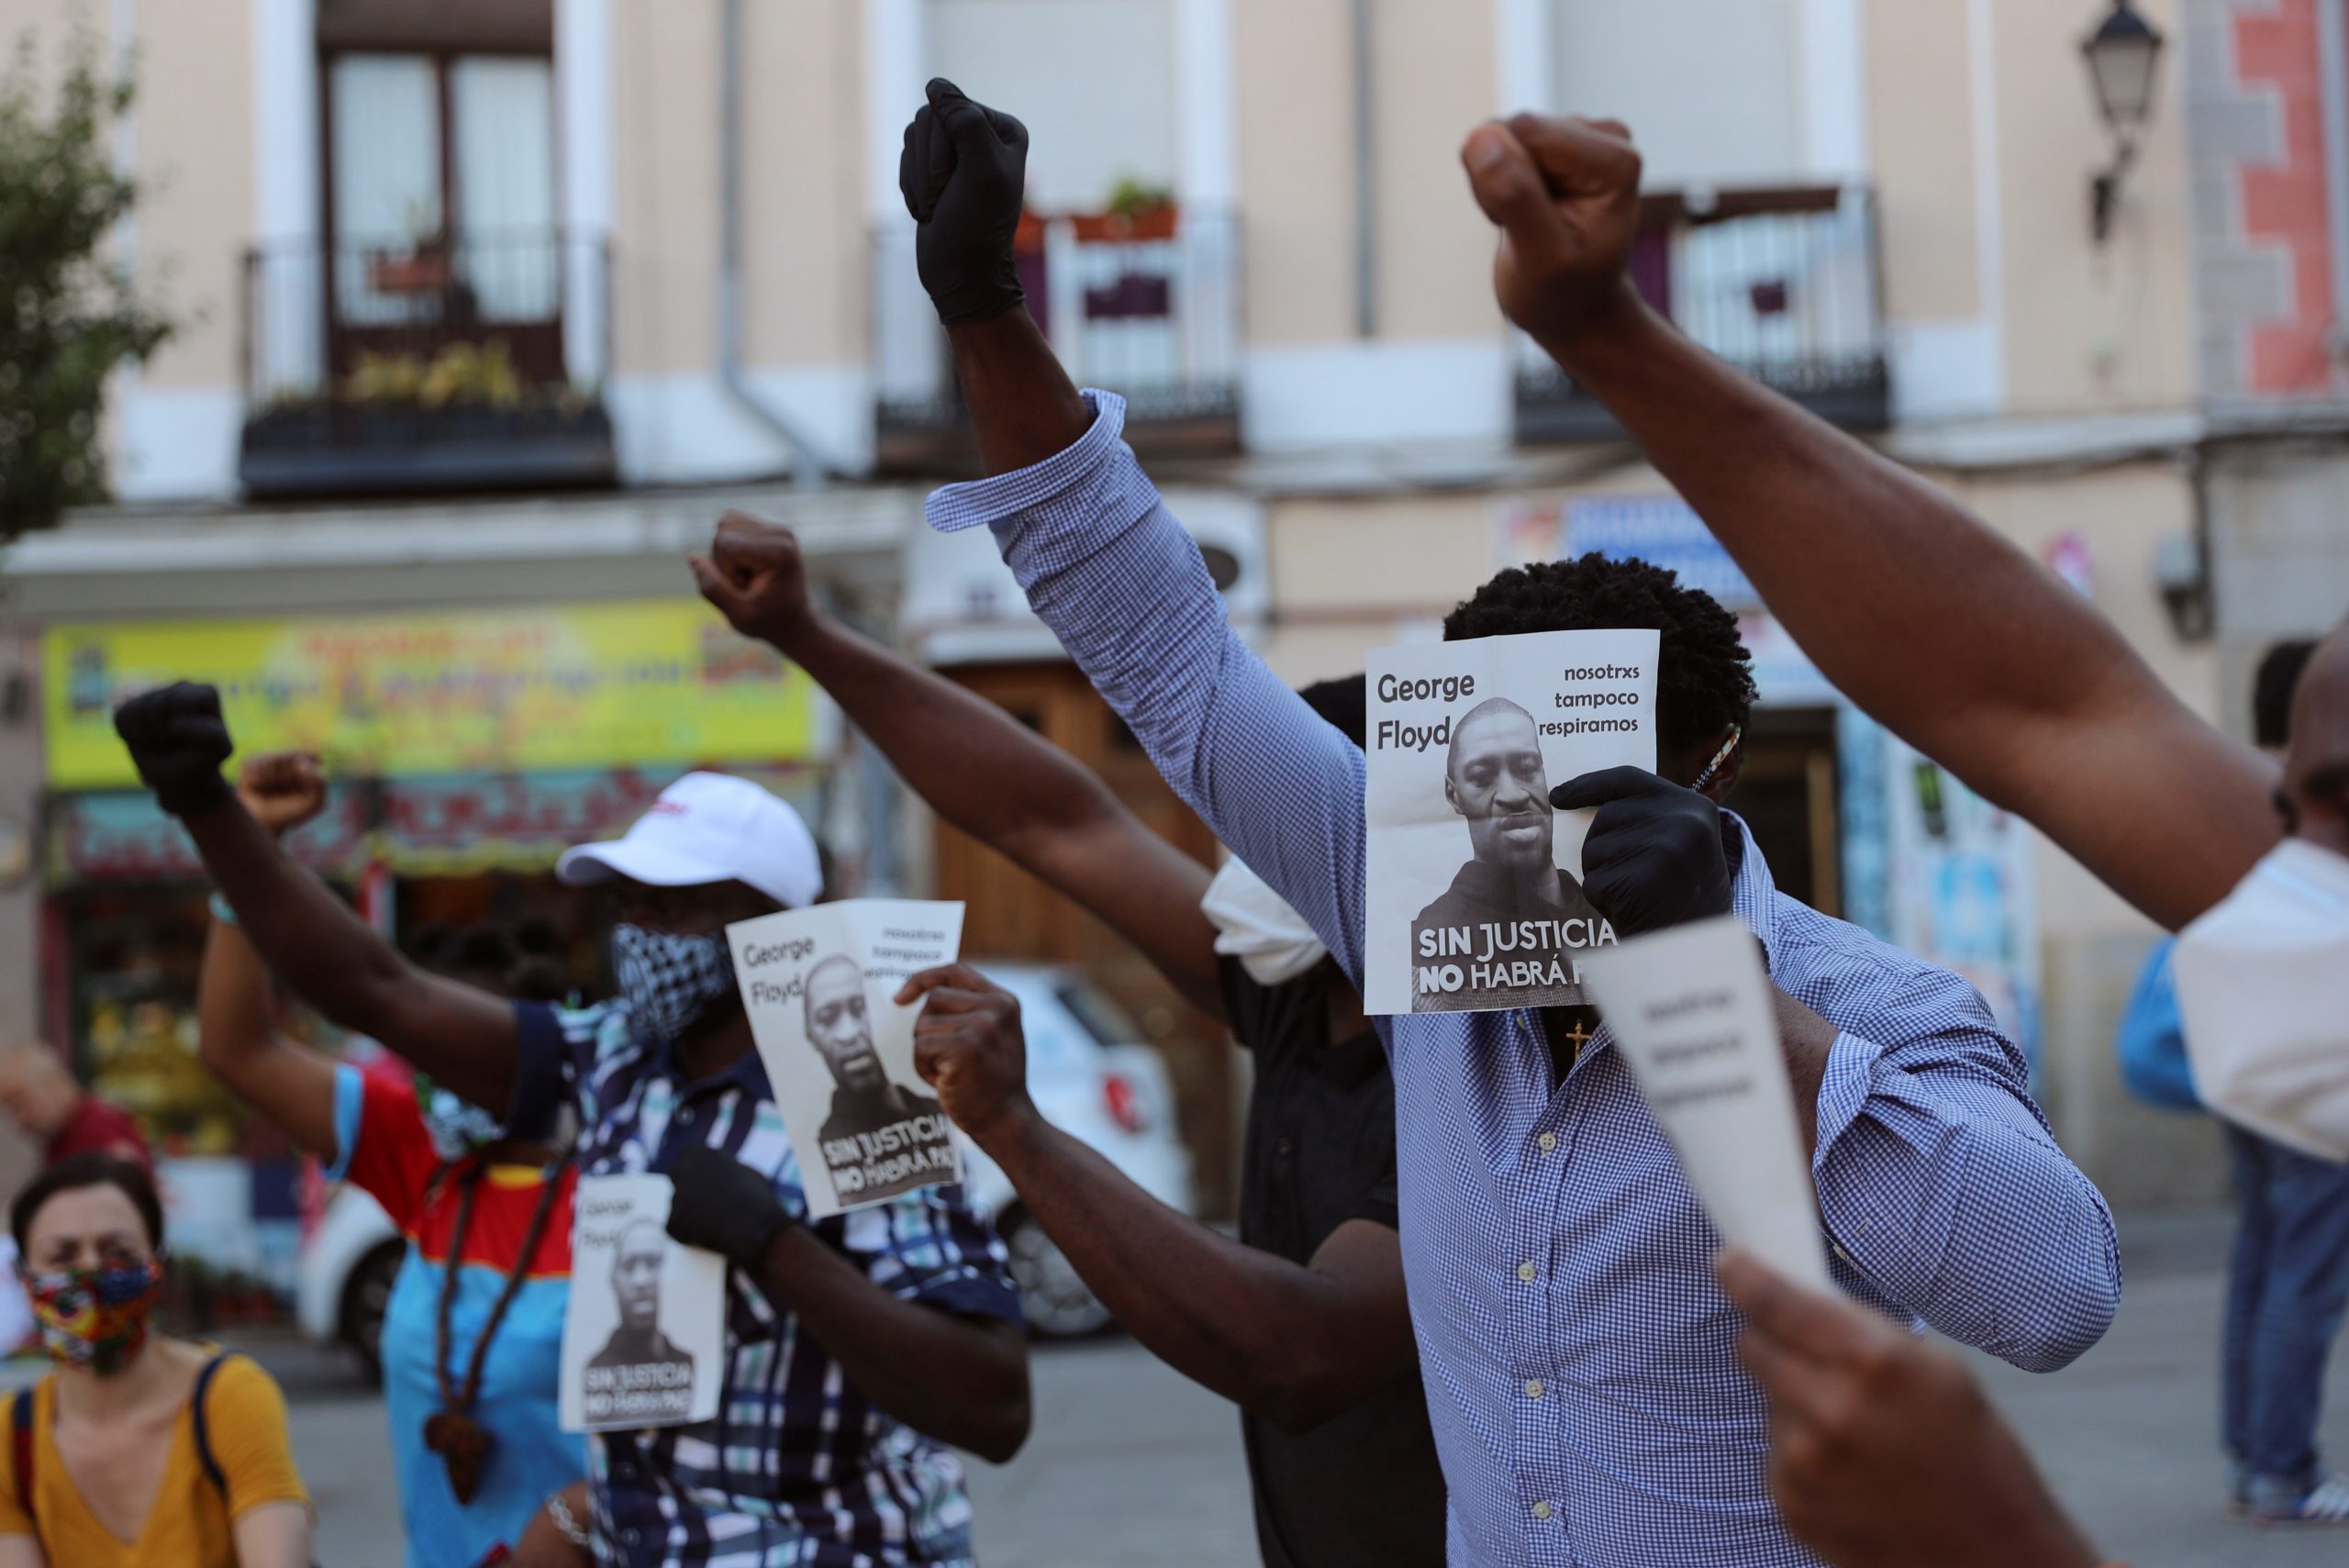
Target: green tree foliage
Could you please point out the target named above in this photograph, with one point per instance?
(69, 311)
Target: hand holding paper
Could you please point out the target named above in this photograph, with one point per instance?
(1691, 1012)
(1475, 900)
(644, 1331)
(1653, 859)
(968, 1047)
(821, 987)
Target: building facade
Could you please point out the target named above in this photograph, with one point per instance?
(490, 308)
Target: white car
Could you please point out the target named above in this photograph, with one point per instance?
(1087, 1072)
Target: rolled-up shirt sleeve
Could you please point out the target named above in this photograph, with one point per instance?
(556, 1050)
(1944, 1192)
(1122, 585)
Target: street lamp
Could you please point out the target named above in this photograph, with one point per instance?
(2123, 55)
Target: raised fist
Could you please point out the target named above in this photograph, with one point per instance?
(1566, 196)
(965, 173)
(755, 577)
(178, 741)
(282, 789)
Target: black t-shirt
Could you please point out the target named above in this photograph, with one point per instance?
(1365, 1486)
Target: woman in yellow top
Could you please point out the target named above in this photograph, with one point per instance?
(137, 1450)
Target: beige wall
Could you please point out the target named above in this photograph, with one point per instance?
(804, 251)
(805, 248)
(191, 128)
(2087, 327)
(1919, 119)
(194, 122)
(1434, 69)
(664, 199)
(1293, 96)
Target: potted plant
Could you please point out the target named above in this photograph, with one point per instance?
(423, 270)
(1136, 211)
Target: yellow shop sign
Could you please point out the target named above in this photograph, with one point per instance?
(516, 690)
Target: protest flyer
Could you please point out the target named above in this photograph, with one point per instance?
(819, 985)
(645, 1331)
(1691, 1013)
(1476, 901)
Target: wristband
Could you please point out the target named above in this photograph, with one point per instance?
(568, 1523)
(220, 909)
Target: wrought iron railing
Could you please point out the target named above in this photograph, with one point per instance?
(1782, 284)
(362, 315)
(1149, 309)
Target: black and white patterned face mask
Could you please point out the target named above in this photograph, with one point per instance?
(671, 982)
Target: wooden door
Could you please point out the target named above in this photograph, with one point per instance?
(1787, 796)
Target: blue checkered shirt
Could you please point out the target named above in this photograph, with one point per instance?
(799, 1468)
(1580, 1362)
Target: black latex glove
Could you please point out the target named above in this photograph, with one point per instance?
(722, 1206)
(1654, 857)
(965, 173)
(178, 741)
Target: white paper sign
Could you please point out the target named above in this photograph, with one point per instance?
(1690, 1011)
(1476, 901)
(644, 1335)
(818, 984)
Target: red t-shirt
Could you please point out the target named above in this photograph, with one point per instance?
(103, 1125)
(391, 1156)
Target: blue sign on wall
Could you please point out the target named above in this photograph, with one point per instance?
(1662, 531)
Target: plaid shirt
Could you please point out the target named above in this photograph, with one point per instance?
(1580, 1363)
(798, 1467)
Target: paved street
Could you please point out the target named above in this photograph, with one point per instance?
(1130, 1467)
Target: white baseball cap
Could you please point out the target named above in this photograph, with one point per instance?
(708, 827)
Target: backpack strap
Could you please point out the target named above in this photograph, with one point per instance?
(202, 1428)
(21, 1445)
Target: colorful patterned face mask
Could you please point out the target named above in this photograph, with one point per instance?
(95, 1318)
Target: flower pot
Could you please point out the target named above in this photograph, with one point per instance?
(421, 272)
(1122, 228)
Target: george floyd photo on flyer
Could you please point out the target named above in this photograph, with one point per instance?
(645, 1329)
(1476, 901)
(818, 985)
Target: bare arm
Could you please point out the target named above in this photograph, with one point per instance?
(1295, 1344)
(463, 1038)
(21, 1552)
(1023, 407)
(236, 1001)
(960, 1380)
(1918, 611)
(241, 1042)
(274, 1535)
(979, 768)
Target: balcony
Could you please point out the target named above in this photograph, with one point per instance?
(431, 366)
(1781, 284)
(1147, 307)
